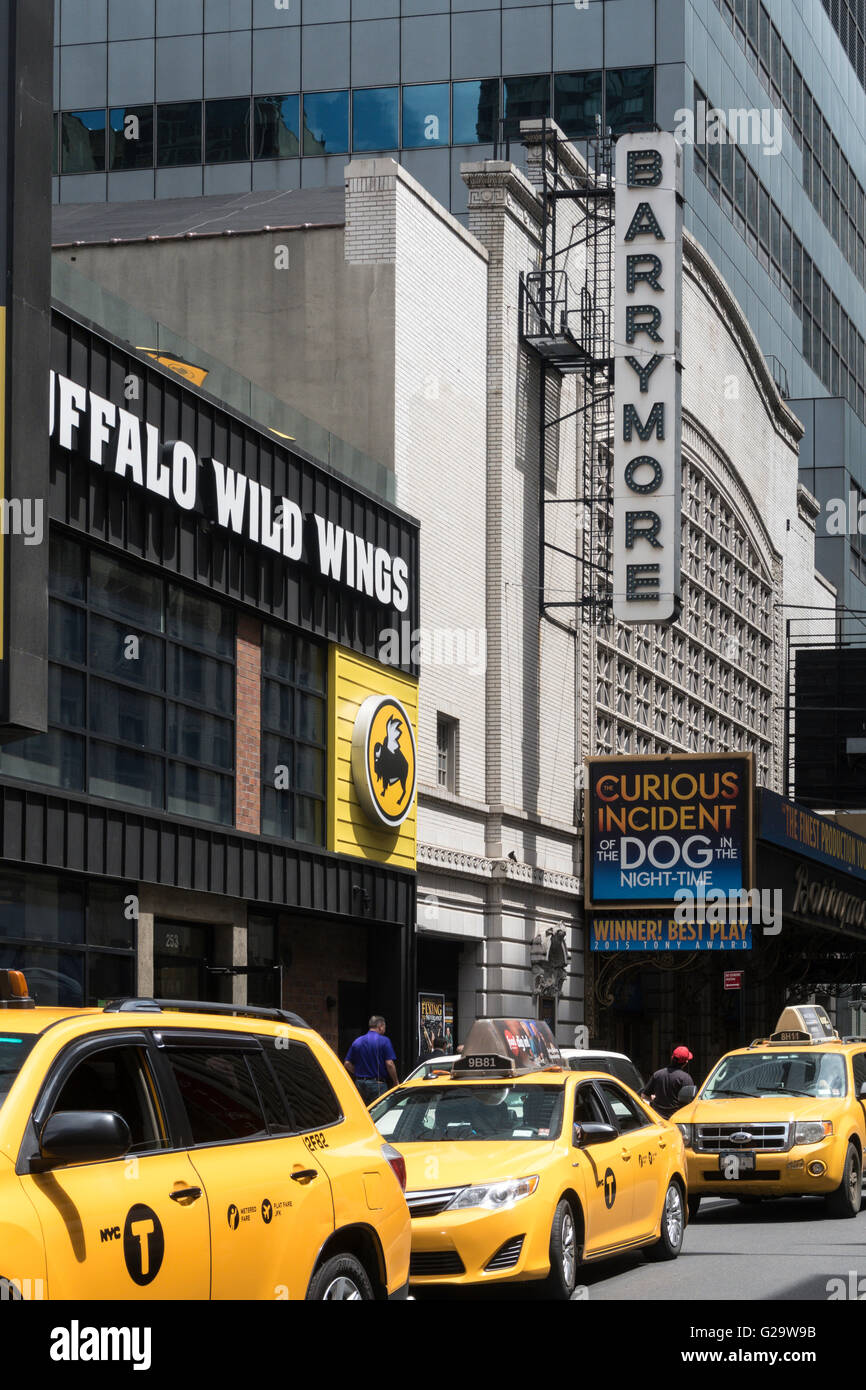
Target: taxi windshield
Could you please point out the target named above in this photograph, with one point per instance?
(13, 1049)
(776, 1073)
(432, 1114)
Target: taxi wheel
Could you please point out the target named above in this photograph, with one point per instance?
(562, 1280)
(670, 1241)
(845, 1201)
(341, 1277)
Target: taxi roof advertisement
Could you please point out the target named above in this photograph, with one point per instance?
(655, 826)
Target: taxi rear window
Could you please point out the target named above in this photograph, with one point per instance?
(435, 1114)
(14, 1047)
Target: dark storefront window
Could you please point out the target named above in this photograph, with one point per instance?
(630, 99)
(277, 127)
(141, 691)
(263, 979)
(130, 137)
(293, 737)
(74, 941)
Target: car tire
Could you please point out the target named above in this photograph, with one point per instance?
(845, 1201)
(673, 1226)
(694, 1205)
(562, 1280)
(341, 1277)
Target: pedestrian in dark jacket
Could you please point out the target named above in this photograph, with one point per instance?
(663, 1088)
(371, 1060)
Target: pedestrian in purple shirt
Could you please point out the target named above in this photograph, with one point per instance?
(370, 1060)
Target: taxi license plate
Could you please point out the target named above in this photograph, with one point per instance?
(734, 1163)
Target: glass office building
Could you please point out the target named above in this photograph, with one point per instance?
(166, 98)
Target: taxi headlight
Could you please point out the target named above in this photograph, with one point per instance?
(812, 1131)
(494, 1196)
(686, 1132)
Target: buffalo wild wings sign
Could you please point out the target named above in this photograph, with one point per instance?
(647, 396)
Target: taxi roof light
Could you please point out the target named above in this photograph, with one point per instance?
(499, 1047)
(14, 993)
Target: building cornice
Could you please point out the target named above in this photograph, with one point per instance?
(454, 861)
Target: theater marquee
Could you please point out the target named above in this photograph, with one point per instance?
(647, 395)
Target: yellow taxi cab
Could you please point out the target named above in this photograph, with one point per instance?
(520, 1169)
(784, 1116)
(172, 1150)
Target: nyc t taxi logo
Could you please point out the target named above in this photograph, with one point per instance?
(384, 760)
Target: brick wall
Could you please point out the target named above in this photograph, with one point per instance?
(248, 716)
(317, 959)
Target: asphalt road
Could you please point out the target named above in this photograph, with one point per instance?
(783, 1249)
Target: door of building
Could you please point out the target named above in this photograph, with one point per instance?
(180, 953)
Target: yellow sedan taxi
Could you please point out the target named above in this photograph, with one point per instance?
(785, 1116)
(167, 1150)
(520, 1169)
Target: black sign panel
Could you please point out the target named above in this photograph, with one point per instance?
(830, 728)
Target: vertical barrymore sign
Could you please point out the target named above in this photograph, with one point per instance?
(647, 395)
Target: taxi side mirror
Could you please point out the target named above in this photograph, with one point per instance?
(84, 1136)
(593, 1133)
(686, 1094)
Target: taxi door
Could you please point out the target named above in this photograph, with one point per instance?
(130, 1228)
(647, 1145)
(606, 1174)
(268, 1196)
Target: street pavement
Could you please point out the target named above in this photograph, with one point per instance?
(785, 1249)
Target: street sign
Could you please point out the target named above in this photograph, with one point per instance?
(733, 979)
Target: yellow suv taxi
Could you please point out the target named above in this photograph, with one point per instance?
(784, 1116)
(168, 1150)
(519, 1168)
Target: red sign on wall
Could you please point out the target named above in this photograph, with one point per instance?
(733, 979)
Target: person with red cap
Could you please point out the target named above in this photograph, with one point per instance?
(663, 1088)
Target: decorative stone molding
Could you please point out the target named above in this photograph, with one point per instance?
(808, 506)
(498, 870)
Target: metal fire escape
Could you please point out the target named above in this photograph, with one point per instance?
(565, 316)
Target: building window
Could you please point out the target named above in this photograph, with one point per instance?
(74, 941)
(446, 752)
(426, 119)
(130, 137)
(277, 127)
(629, 99)
(227, 131)
(83, 142)
(141, 691)
(326, 123)
(375, 118)
(577, 103)
(178, 134)
(526, 99)
(475, 112)
(293, 737)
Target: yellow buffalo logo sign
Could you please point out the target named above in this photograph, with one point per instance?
(383, 760)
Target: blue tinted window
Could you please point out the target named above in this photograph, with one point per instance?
(130, 137)
(326, 123)
(475, 111)
(374, 119)
(277, 128)
(83, 142)
(630, 96)
(577, 102)
(425, 115)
